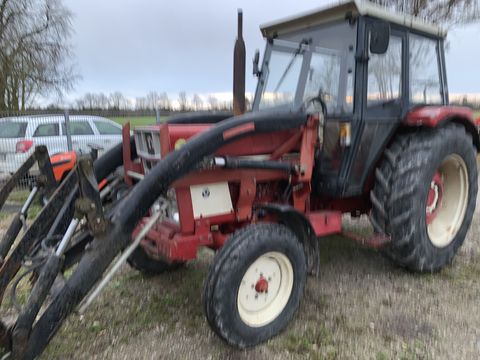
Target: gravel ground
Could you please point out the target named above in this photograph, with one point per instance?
(361, 307)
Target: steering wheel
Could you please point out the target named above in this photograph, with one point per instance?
(314, 99)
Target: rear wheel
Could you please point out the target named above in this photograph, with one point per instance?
(255, 289)
(424, 196)
(142, 261)
(145, 261)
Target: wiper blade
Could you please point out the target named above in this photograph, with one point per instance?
(300, 49)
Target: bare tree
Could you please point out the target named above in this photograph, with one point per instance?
(182, 100)
(89, 101)
(164, 101)
(34, 51)
(118, 101)
(445, 12)
(152, 100)
(140, 103)
(197, 102)
(213, 102)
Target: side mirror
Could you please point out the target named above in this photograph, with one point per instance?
(379, 37)
(256, 59)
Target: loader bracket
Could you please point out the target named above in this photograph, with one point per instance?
(89, 203)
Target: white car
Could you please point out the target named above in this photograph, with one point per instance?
(20, 135)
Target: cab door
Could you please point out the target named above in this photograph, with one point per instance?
(383, 98)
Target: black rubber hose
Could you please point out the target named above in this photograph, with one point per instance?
(113, 158)
(236, 163)
(200, 117)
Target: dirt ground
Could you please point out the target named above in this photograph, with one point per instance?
(361, 307)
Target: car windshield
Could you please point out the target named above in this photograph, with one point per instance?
(10, 129)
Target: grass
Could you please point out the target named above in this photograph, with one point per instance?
(476, 114)
(145, 302)
(137, 120)
(19, 197)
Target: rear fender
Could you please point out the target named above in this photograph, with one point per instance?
(433, 116)
(300, 225)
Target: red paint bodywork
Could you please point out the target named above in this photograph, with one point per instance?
(248, 188)
(431, 116)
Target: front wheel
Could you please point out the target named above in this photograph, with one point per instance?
(252, 294)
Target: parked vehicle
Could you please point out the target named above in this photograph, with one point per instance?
(20, 135)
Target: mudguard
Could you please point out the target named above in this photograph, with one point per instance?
(300, 225)
(433, 116)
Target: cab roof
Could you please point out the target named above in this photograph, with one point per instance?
(338, 12)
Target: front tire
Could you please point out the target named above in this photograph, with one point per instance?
(254, 291)
(424, 196)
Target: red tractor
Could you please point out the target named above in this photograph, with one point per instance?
(350, 116)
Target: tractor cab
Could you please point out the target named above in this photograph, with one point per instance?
(364, 68)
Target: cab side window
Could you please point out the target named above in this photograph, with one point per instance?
(385, 74)
(425, 85)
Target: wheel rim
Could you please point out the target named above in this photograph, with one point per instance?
(447, 201)
(265, 289)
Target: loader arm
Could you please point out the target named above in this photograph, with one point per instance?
(136, 204)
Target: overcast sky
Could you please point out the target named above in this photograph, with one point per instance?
(135, 46)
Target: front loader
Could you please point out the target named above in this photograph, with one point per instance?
(350, 116)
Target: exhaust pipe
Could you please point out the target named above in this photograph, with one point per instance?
(239, 70)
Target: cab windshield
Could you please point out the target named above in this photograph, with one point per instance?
(281, 77)
(301, 72)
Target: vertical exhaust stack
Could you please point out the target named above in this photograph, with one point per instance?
(239, 70)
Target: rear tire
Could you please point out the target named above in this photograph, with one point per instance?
(141, 261)
(254, 287)
(424, 196)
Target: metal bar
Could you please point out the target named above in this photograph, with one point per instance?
(67, 236)
(128, 251)
(15, 226)
(157, 115)
(375, 241)
(40, 290)
(60, 225)
(46, 180)
(10, 236)
(135, 175)
(29, 201)
(89, 202)
(67, 131)
(127, 153)
(228, 162)
(12, 182)
(104, 192)
(35, 232)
